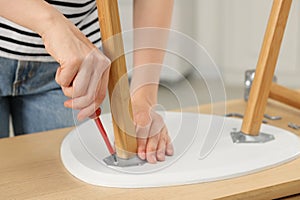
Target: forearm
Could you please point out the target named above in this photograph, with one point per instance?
(152, 20)
(36, 15)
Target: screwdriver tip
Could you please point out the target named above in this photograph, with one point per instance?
(115, 158)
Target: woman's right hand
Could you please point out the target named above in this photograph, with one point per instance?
(84, 70)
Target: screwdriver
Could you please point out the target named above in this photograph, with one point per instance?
(101, 129)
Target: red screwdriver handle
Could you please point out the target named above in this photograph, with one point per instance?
(96, 114)
(99, 124)
(104, 135)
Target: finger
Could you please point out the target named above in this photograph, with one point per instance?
(170, 148)
(81, 102)
(87, 78)
(93, 95)
(86, 112)
(142, 135)
(142, 148)
(101, 91)
(157, 124)
(68, 91)
(96, 114)
(68, 72)
(68, 103)
(89, 110)
(81, 82)
(57, 75)
(151, 148)
(143, 124)
(161, 148)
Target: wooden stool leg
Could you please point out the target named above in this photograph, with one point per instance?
(285, 95)
(125, 140)
(265, 67)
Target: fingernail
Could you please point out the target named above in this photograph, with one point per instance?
(161, 156)
(153, 159)
(80, 118)
(67, 104)
(142, 155)
(170, 152)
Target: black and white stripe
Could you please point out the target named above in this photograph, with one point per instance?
(17, 42)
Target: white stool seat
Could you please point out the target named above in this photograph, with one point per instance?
(195, 161)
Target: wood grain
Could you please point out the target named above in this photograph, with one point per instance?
(118, 86)
(265, 67)
(31, 169)
(285, 95)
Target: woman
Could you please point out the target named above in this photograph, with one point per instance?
(40, 40)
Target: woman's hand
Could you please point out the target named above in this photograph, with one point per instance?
(153, 139)
(83, 72)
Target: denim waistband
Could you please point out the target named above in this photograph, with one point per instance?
(26, 77)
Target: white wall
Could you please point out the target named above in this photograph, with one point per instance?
(233, 30)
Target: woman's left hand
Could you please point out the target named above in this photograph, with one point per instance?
(154, 142)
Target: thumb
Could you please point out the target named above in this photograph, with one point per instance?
(65, 74)
(57, 75)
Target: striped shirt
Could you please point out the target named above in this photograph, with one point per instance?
(17, 42)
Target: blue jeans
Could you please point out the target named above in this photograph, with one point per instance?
(30, 95)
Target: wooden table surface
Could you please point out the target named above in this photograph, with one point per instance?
(30, 168)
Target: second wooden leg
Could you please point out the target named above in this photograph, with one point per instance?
(265, 67)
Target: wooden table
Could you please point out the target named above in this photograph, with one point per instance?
(30, 168)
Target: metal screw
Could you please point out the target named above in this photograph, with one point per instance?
(293, 126)
(239, 115)
(272, 117)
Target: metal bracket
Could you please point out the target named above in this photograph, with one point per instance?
(272, 117)
(293, 126)
(239, 115)
(134, 161)
(240, 137)
(249, 77)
